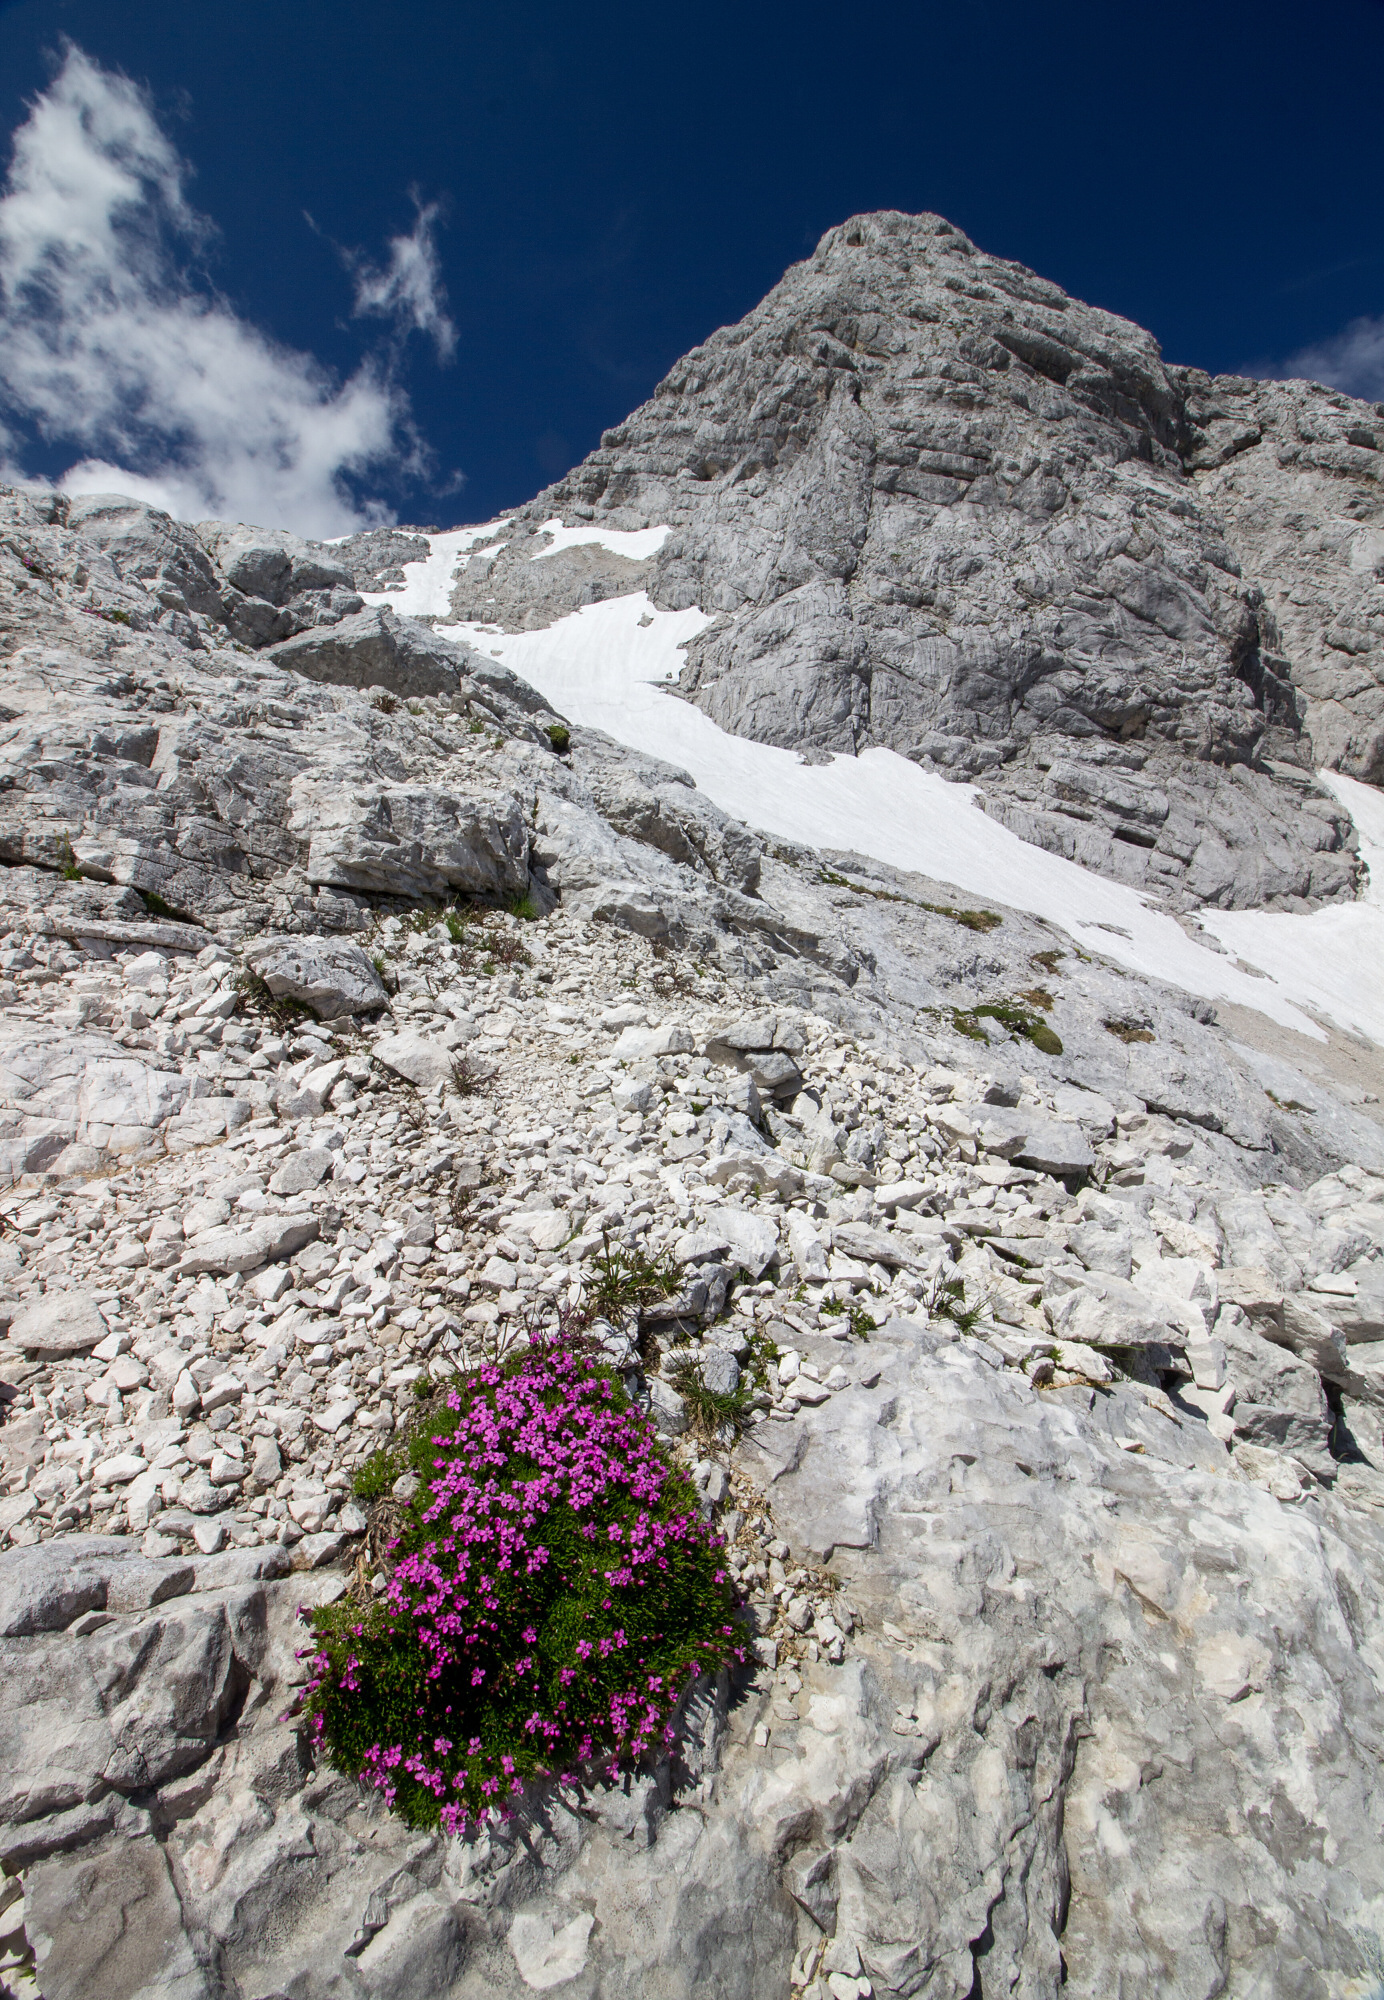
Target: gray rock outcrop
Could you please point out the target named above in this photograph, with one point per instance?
(1051, 1315)
(933, 502)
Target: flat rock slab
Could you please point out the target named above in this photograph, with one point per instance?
(110, 1925)
(57, 1326)
(245, 1249)
(419, 1059)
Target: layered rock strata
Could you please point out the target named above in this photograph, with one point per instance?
(933, 502)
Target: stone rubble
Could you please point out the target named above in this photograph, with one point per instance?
(900, 1267)
(1020, 1326)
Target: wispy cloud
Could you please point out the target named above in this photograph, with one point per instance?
(409, 289)
(111, 339)
(1352, 360)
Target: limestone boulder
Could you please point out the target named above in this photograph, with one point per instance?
(333, 976)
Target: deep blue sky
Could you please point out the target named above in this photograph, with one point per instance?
(621, 179)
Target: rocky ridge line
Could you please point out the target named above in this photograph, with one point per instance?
(931, 501)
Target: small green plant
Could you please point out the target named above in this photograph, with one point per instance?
(156, 906)
(377, 1475)
(380, 963)
(385, 702)
(254, 997)
(710, 1411)
(627, 1279)
(456, 926)
(971, 920)
(1019, 1022)
(523, 907)
(560, 736)
(1287, 1103)
(67, 861)
(466, 1082)
(1048, 960)
(475, 727)
(416, 708)
(945, 1298)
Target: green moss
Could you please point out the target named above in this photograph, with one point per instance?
(971, 920)
(1030, 1027)
(560, 736)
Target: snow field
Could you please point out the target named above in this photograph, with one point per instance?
(611, 666)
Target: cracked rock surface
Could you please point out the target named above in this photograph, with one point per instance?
(1021, 1326)
(930, 501)
(1054, 1501)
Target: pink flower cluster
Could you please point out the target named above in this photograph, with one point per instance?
(545, 1594)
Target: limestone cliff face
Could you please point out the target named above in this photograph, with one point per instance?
(933, 502)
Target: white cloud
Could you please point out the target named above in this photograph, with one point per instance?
(409, 289)
(110, 342)
(1352, 360)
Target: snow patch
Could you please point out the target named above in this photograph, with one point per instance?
(1333, 959)
(427, 586)
(636, 543)
(610, 666)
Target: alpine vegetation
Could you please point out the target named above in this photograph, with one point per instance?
(692, 1271)
(553, 1595)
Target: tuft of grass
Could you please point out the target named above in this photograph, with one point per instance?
(1288, 1103)
(385, 702)
(157, 907)
(861, 1325)
(465, 1081)
(625, 1280)
(945, 1298)
(1048, 960)
(523, 907)
(560, 736)
(256, 998)
(710, 1411)
(377, 1475)
(971, 920)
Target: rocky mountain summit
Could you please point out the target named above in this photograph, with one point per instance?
(935, 503)
(1017, 1318)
